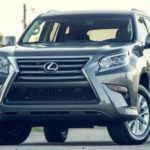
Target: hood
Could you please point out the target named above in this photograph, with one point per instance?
(67, 49)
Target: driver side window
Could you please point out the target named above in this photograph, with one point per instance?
(142, 29)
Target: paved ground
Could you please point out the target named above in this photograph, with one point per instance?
(78, 139)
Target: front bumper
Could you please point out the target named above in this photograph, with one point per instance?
(111, 106)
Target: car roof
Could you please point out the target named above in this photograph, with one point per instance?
(90, 12)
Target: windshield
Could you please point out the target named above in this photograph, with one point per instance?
(78, 28)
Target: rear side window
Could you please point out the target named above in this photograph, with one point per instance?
(142, 28)
(148, 24)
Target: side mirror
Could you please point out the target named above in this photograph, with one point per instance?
(8, 41)
(147, 41)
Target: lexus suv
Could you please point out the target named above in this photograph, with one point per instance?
(75, 70)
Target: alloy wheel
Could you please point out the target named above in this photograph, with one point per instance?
(138, 126)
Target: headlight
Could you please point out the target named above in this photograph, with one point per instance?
(113, 62)
(4, 64)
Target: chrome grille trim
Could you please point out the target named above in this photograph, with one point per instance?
(70, 69)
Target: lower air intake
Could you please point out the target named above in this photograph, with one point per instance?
(73, 95)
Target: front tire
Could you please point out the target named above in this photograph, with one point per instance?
(13, 133)
(136, 131)
(55, 134)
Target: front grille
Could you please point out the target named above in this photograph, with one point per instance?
(32, 70)
(70, 95)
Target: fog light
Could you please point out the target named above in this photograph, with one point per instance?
(116, 88)
(122, 90)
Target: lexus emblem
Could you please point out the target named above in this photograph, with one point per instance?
(51, 67)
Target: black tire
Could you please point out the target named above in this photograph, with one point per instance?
(120, 132)
(13, 133)
(55, 134)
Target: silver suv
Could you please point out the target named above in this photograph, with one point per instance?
(78, 69)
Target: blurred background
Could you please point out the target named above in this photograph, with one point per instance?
(15, 15)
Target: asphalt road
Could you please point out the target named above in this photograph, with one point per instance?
(78, 139)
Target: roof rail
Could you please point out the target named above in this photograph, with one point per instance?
(52, 11)
(139, 11)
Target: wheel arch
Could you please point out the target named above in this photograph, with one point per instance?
(144, 80)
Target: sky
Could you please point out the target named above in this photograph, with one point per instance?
(11, 11)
